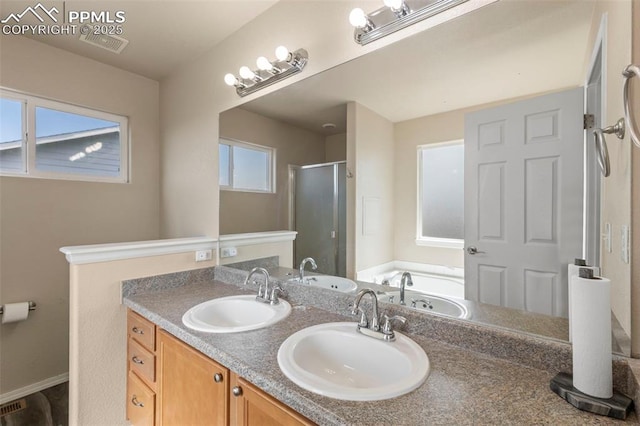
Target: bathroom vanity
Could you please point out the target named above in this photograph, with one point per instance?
(169, 382)
(478, 375)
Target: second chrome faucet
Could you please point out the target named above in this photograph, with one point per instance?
(373, 329)
(264, 295)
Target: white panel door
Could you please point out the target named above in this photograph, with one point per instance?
(524, 201)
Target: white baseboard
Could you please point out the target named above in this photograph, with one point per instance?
(33, 388)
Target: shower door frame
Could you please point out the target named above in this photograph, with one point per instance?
(292, 204)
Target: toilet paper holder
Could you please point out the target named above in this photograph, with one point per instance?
(32, 307)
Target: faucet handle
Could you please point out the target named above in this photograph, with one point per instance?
(273, 298)
(364, 322)
(386, 328)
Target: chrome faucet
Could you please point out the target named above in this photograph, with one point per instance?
(264, 295)
(375, 320)
(373, 329)
(426, 303)
(406, 280)
(306, 260)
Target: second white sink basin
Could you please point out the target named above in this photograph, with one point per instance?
(343, 285)
(234, 314)
(335, 360)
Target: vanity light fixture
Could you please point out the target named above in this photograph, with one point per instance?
(286, 64)
(393, 16)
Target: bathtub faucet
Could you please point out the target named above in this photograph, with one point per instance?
(406, 280)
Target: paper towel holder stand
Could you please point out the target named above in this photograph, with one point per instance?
(618, 406)
(32, 307)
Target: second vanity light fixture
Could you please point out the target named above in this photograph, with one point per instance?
(286, 64)
(394, 16)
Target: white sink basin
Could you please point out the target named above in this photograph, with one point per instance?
(234, 314)
(343, 285)
(335, 360)
(436, 304)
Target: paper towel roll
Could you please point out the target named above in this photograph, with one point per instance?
(591, 313)
(14, 312)
(572, 271)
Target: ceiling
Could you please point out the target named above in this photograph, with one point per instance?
(502, 51)
(527, 46)
(162, 35)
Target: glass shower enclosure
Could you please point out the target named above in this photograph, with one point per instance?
(320, 216)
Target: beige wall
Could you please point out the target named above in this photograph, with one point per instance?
(336, 147)
(373, 168)
(38, 216)
(98, 347)
(242, 212)
(616, 189)
(408, 136)
(284, 251)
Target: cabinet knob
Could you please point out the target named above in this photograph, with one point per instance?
(217, 377)
(137, 360)
(237, 391)
(135, 402)
(137, 330)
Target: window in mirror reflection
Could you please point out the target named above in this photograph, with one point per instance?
(441, 194)
(246, 167)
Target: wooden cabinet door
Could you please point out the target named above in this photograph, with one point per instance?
(249, 406)
(190, 393)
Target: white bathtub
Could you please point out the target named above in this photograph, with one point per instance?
(432, 279)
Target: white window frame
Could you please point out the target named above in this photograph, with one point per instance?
(271, 173)
(421, 240)
(29, 105)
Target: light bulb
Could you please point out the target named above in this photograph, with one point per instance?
(358, 18)
(394, 4)
(264, 64)
(282, 53)
(230, 79)
(246, 73)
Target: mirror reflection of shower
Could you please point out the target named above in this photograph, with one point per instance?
(318, 203)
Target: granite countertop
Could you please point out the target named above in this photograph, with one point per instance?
(464, 387)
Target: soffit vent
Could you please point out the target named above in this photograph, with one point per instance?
(111, 43)
(13, 407)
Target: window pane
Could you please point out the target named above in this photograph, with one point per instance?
(250, 169)
(74, 143)
(224, 165)
(443, 192)
(11, 135)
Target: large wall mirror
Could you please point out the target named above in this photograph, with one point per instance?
(393, 145)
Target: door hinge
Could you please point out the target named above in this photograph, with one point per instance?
(589, 121)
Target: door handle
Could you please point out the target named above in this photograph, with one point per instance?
(473, 250)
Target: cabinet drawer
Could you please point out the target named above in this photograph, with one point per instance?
(141, 361)
(141, 402)
(141, 330)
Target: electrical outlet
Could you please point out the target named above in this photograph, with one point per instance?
(625, 244)
(228, 252)
(204, 255)
(606, 237)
